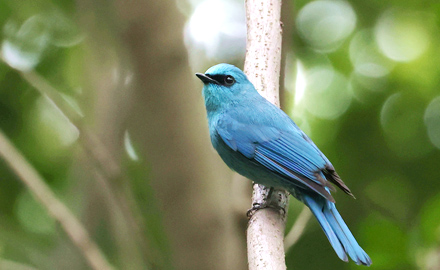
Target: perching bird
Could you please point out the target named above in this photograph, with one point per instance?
(260, 142)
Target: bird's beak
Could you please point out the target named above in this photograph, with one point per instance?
(206, 79)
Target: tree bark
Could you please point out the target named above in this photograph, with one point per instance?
(266, 227)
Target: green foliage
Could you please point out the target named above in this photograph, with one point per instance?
(384, 145)
(371, 103)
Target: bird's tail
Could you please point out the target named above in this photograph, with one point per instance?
(337, 232)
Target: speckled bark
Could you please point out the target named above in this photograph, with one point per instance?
(263, 49)
(265, 232)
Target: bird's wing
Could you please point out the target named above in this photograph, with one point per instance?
(293, 158)
(329, 172)
(287, 152)
(244, 138)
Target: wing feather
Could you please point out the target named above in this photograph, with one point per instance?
(287, 152)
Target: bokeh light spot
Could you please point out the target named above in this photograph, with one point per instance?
(402, 121)
(366, 89)
(300, 82)
(326, 24)
(432, 121)
(22, 47)
(129, 148)
(402, 35)
(366, 57)
(51, 128)
(327, 93)
(217, 28)
(428, 258)
(64, 32)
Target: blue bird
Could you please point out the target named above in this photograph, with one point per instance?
(259, 141)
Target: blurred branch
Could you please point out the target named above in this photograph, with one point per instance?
(297, 229)
(46, 89)
(11, 265)
(263, 60)
(92, 144)
(96, 151)
(70, 224)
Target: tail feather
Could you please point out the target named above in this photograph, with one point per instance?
(362, 256)
(334, 227)
(334, 241)
(347, 239)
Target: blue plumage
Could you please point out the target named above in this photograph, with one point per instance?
(259, 141)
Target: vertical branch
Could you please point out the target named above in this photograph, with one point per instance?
(265, 232)
(263, 48)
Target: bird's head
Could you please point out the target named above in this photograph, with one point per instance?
(225, 84)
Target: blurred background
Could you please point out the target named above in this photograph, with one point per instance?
(101, 99)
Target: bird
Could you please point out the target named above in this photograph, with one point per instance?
(261, 142)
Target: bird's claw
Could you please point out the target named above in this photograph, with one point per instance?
(258, 206)
(255, 207)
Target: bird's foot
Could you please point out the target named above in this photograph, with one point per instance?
(265, 202)
(257, 206)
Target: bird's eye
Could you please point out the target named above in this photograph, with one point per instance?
(229, 80)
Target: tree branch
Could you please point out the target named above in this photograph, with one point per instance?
(266, 227)
(70, 224)
(98, 153)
